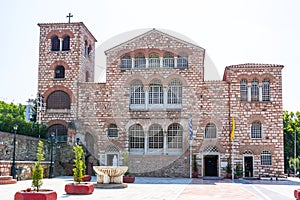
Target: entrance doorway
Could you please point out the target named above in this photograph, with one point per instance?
(248, 166)
(211, 165)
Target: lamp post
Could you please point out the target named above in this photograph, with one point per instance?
(52, 137)
(13, 166)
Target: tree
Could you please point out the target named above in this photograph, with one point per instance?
(38, 171)
(78, 163)
(291, 124)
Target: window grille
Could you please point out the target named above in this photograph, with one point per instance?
(266, 90)
(66, 43)
(182, 61)
(210, 149)
(59, 72)
(139, 61)
(256, 130)
(156, 137)
(136, 137)
(58, 100)
(254, 90)
(112, 131)
(137, 94)
(55, 43)
(126, 61)
(244, 90)
(154, 61)
(266, 158)
(168, 60)
(156, 92)
(210, 131)
(175, 92)
(175, 136)
(60, 132)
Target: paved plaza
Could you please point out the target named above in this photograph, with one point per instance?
(171, 189)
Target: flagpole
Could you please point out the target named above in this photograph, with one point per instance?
(232, 148)
(191, 142)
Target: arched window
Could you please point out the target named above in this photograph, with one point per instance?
(266, 90)
(210, 131)
(244, 90)
(55, 43)
(266, 158)
(139, 61)
(66, 43)
(126, 61)
(156, 92)
(87, 76)
(175, 136)
(256, 130)
(112, 131)
(59, 72)
(60, 132)
(168, 60)
(136, 137)
(86, 46)
(137, 94)
(58, 100)
(156, 137)
(182, 60)
(175, 92)
(254, 90)
(154, 61)
(89, 50)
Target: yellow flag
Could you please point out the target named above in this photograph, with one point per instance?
(232, 128)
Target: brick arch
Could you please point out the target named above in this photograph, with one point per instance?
(62, 88)
(59, 62)
(135, 77)
(254, 76)
(184, 50)
(120, 53)
(60, 34)
(133, 122)
(173, 77)
(243, 76)
(155, 76)
(253, 118)
(169, 50)
(57, 121)
(154, 50)
(268, 76)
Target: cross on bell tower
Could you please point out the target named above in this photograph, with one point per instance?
(69, 16)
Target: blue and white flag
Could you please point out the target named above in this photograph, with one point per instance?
(191, 129)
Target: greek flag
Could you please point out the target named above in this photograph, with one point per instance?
(191, 129)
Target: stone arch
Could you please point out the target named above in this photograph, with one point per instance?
(175, 76)
(59, 62)
(155, 76)
(255, 117)
(62, 88)
(60, 34)
(268, 76)
(135, 77)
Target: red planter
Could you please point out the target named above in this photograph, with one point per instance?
(128, 179)
(297, 194)
(34, 195)
(194, 174)
(79, 188)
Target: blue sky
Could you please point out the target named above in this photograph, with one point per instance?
(231, 31)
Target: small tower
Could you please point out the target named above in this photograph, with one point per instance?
(66, 58)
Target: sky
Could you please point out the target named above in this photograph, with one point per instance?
(232, 32)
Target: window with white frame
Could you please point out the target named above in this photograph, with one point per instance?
(244, 90)
(175, 136)
(137, 94)
(126, 61)
(154, 61)
(139, 61)
(182, 60)
(256, 130)
(156, 92)
(136, 137)
(210, 131)
(168, 60)
(175, 92)
(112, 131)
(156, 137)
(266, 158)
(254, 90)
(266, 90)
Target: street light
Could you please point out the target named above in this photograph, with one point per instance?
(13, 166)
(52, 137)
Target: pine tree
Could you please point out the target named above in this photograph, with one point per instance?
(78, 166)
(38, 170)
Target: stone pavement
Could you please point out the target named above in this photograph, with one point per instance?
(170, 189)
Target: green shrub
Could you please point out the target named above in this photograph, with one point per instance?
(38, 170)
(78, 163)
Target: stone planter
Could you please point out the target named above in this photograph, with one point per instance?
(32, 194)
(79, 188)
(128, 179)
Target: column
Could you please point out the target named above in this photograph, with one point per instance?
(146, 89)
(60, 44)
(165, 90)
(161, 62)
(260, 92)
(165, 143)
(249, 93)
(147, 62)
(175, 62)
(146, 143)
(132, 62)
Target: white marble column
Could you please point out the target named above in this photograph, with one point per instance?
(161, 62)
(249, 93)
(260, 92)
(132, 62)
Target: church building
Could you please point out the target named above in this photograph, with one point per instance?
(158, 106)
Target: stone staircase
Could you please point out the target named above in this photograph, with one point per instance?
(7, 180)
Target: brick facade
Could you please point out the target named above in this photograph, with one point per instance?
(94, 107)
